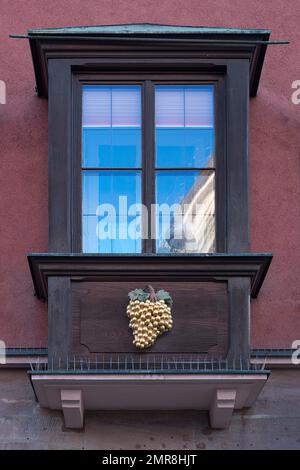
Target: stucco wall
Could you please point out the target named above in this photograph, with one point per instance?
(274, 152)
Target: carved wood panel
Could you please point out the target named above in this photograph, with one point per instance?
(100, 323)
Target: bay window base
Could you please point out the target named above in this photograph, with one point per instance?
(218, 393)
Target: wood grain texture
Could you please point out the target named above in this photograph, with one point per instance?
(239, 320)
(100, 323)
(59, 318)
(146, 268)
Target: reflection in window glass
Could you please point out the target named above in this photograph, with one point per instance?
(111, 126)
(111, 141)
(107, 220)
(184, 137)
(112, 173)
(185, 216)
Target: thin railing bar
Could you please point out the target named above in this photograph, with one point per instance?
(180, 40)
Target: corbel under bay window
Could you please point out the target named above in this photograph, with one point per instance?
(140, 117)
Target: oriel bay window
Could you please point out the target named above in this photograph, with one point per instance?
(157, 199)
(148, 184)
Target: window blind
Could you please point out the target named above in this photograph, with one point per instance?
(111, 106)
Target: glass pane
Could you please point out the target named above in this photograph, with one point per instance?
(111, 126)
(111, 211)
(185, 213)
(184, 122)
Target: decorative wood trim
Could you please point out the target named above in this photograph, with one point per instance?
(59, 316)
(100, 326)
(59, 161)
(215, 266)
(239, 319)
(237, 207)
(232, 78)
(152, 41)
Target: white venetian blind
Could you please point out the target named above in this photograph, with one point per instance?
(169, 106)
(184, 106)
(111, 106)
(126, 106)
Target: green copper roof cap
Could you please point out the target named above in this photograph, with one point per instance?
(144, 28)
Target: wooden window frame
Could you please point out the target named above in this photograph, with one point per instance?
(66, 77)
(147, 82)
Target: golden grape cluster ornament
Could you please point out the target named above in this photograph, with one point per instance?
(150, 315)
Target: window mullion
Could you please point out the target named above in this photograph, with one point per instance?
(148, 161)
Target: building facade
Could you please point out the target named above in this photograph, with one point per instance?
(202, 117)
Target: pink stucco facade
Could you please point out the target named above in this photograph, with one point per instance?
(274, 153)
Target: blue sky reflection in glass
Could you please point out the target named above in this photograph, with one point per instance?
(111, 139)
(185, 161)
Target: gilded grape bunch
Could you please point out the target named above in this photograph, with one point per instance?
(150, 315)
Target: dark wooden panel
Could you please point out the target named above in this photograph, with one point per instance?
(100, 323)
(141, 268)
(59, 318)
(239, 320)
(237, 104)
(59, 176)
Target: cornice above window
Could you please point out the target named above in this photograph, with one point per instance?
(140, 40)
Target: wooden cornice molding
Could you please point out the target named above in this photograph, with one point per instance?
(215, 266)
(139, 44)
